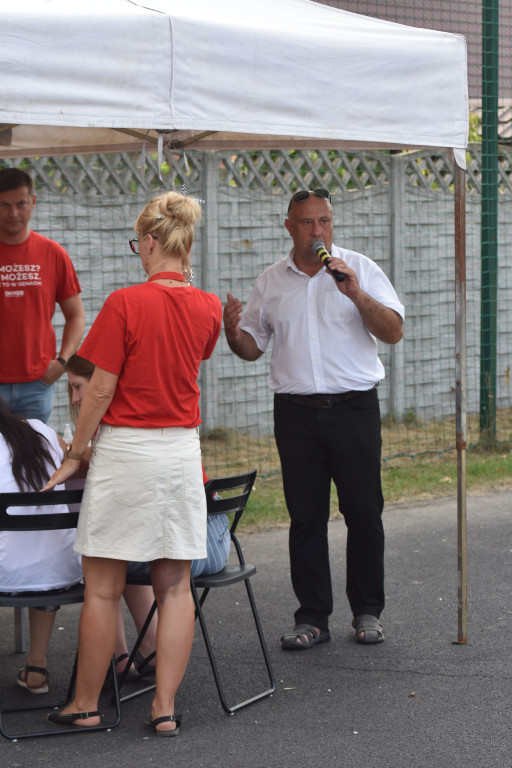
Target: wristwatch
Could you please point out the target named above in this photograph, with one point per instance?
(75, 456)
(62, 361)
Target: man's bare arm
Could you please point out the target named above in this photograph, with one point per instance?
(73, 312)
(381, 321)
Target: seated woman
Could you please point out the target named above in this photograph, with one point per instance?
(33, 560)
(138, 598)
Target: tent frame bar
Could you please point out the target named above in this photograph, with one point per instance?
(460, 397)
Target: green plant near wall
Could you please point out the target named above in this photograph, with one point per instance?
(475, 123)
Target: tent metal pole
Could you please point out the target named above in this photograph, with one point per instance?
(460, 395)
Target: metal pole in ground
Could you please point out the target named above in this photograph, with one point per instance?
(460, 395)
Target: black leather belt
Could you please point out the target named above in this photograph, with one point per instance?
(321, 401)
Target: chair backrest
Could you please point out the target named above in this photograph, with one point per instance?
(228, 495)
(42, 521)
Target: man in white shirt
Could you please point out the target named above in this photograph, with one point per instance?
(324, 371)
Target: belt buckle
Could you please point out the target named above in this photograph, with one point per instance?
(328, 402)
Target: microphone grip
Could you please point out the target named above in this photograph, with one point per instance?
(338, 276)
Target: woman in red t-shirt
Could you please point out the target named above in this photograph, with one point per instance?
(144, 497)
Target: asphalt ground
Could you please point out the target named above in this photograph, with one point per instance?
(417, 700)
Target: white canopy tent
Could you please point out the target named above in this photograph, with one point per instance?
(109, 75)
(97, 74)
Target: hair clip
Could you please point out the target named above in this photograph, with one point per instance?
(183, 192)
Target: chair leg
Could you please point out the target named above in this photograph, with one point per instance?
(20, 639)
(133, 654)
(59, 705)
(220, 689)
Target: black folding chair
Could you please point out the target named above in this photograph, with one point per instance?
(47, 522)
(226, 495)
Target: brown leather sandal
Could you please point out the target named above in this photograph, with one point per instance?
(23, 677)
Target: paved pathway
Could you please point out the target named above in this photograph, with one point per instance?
(417, 700)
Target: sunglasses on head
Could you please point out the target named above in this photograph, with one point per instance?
(303, 194)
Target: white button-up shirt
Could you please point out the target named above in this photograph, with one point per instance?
(320, 341)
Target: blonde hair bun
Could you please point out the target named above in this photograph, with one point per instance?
(170, 218)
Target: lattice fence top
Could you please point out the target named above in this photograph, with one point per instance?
(116, 173)
(279, 172)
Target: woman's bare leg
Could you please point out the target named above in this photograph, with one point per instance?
(41, 626)
(104, 584)
(139, 600)
(121, 648)
(175, 632)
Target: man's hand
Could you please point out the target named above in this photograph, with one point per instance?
(53, 372)
(240, 342)
(232, 315)
(350, 285)
(381, 321)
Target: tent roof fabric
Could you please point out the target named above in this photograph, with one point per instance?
(223, 73)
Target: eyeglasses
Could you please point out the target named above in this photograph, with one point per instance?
(134, 243)
(303, 194)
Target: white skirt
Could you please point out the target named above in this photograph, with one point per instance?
(144, 496)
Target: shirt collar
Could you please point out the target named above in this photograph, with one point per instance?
(290, 264)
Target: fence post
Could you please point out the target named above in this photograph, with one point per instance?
(396, 373)
(489, 225)
(460, 395)
(210, 271)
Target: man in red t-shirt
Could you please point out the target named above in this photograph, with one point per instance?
(35, 274)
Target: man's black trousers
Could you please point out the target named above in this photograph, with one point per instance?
(342, 443)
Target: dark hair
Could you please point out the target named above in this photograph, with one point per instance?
(30, 451)
(14, 178)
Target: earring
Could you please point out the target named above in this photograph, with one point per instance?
(188, 274)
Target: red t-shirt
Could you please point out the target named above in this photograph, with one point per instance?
(154, 339)
(34, 276)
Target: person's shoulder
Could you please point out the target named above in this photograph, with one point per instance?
(126, 293)
(347, 253)
(204, 302)
(355, 259)
(276, 268)
(54, 253)
(38, 425)
(38, 240)
(49, 433)
(43, 429)
(207, 296)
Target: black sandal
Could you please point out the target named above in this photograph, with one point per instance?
(131, 672)
(142, 664)
(129, 675)
(59, 719)
(303, 637)
(166, 719)
(368, 629)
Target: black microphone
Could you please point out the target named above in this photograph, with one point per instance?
(324, 256)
